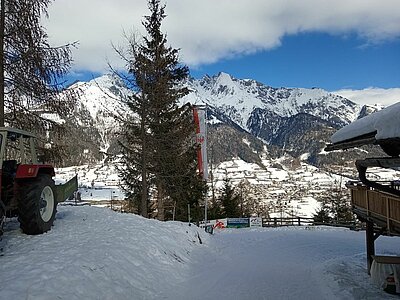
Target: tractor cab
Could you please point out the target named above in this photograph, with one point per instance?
(16, 147)
(17, 153)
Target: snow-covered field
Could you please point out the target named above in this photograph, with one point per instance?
(95, 253)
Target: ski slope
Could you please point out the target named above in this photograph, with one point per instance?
(95, 253)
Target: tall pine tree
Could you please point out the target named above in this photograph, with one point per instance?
(157, 137)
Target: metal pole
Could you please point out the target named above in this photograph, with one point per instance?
(212, 175)
(205, 212)
(205, 135)
(111, 200)
(189, 213)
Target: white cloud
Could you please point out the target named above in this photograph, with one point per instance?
(371, 95)
(209, 30)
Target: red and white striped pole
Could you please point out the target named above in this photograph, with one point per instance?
(200, 114)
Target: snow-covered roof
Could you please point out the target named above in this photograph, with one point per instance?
(384, 124)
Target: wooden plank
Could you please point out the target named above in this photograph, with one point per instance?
(387, 214)
(358, 196)
(394, 209)
(370, 241)
(382, 259)
(376, 203)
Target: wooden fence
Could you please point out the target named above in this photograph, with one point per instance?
(380, 207)
(291, 221)
(302, 221)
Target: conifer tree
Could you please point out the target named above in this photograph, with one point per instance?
(157, 137)
(341, 208)
(229, 200)
(215, 210)
(335, 206)
(31, 70)
(322, 215)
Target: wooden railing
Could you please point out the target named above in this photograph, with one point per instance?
(380, 207)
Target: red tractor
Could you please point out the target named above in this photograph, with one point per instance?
(27, 186)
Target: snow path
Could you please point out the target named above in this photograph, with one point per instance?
(292, 263)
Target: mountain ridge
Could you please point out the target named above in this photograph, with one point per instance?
(278, 117)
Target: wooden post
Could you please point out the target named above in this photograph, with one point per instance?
(370, 244)
(298, 220)
(387, 214)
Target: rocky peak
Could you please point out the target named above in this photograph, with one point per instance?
(369, 109)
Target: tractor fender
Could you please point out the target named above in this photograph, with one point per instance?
(31, 171)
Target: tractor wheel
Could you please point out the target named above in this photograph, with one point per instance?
(36, 204)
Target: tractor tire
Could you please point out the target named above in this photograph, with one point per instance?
(37, 204)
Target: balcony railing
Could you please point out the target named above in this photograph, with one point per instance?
(380, 207)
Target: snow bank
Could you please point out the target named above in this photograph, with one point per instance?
(94, 253)
(385, 122)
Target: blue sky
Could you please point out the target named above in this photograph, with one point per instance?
(334, 45)
(317, 60)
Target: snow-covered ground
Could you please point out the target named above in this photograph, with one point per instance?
(95, 253)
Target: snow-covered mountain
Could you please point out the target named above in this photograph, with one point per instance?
(92, 125)
(294, 120)
(100, 101)
(244, 101)
(297, 120)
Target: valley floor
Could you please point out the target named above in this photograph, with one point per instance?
(95, 253)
